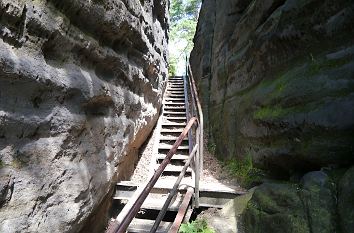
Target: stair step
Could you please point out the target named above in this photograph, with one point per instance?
(174, 103)
(174, 169)
(175, 89)
(170, 138)
(169, 88)
(181, 85)
(168, 147)
(172, 142)
(175, 157)
(174, 118)
(144, 226)
(175, 107)
(174, 92)
(184, 121)
(154, 200)
(175, 86)
(161, 186)
(175, 95)
(173, 99)
(175, 80)
(174, 113)
(180, 130)
(174, 110)
(169, 104)
(173, 124)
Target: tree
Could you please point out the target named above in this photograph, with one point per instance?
(184, 17)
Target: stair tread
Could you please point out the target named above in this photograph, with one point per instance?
(175, 104)
(170, 138)
(173, 124)
(154, 201)
(144, 226)
(174, 95)
(175, 89)
(174, 168)
(175, 118)
(172, 130)
(175, 107)
(166, 147)
(169, 98)
(174, 100)
(175, 92)
(175, 157)
(174, 113)
(204, 187)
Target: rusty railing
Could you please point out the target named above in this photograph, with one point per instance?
(194, 130)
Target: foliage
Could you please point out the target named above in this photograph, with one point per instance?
(198, 226)
(172, 66)
(244, 171)
(184, 17)
(211, 147)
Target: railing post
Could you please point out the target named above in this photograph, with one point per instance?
(197, 170)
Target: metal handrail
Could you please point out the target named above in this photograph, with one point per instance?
(199, 131)
(122, 227)
(196, 154)
(173, 191)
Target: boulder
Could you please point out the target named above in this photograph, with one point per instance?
(289, 207)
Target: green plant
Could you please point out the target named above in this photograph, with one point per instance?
(172, 66)
(243, 170)
(269, 113)
(211, 148)
(184, 17)
(198, 226)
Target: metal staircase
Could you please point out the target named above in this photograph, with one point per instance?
(168, 199)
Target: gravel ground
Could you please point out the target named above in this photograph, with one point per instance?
(143, 167)
(213, 171)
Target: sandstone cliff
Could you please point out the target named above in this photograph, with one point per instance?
(80, 90)
(276, 79)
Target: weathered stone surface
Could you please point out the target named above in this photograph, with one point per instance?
(346, 201)
(80, 90)
(284, 207)
(276, 79)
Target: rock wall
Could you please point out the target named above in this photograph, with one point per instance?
(277, 81)
(80, 90)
